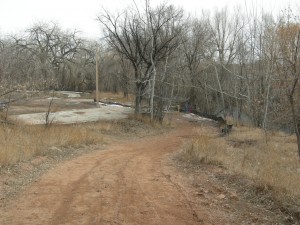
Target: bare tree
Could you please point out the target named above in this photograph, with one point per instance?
(226, 29)
(166, 25)
(60, 56)
(197, 45)
(49, 117)
(125, 34)
(288, 65)
(145, 37)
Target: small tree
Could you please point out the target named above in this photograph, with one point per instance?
(48, 117)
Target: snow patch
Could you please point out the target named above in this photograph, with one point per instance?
(192, 116)
(53, 98)
(71, 94)
(105, 112)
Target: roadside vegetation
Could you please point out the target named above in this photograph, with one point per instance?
(21, 142)
(267, 159)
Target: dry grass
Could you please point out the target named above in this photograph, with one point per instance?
(269, 158)
(21, 142)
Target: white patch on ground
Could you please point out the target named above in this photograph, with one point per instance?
(107, 112)
(194, 117)
(79, 100)
(116, 105)
(71, 94)
(54, 98)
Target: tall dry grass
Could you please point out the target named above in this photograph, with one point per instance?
(21, 142)
(269, 158)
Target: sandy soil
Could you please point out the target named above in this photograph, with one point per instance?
(132, 181)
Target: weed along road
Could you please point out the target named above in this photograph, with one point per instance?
(130, 182)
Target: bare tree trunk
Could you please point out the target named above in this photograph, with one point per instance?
(152, 93)
(138, 87)
(220, 87)
(97, 76)
(153, 82)
(264, 125)
(208, 108)
(138, 99)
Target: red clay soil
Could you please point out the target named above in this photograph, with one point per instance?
(131, 182)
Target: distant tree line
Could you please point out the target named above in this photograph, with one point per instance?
(241, 63)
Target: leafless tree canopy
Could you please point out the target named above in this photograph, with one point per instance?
(145, 37)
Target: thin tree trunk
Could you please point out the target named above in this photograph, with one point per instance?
(206, 96)
(220, 87)
(152, 90)
(266, 107)
(138, 99)
(138, 93)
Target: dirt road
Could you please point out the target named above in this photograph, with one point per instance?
(130, 182)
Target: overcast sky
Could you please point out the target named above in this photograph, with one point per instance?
(18, 15)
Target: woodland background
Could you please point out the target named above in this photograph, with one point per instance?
(240, 62)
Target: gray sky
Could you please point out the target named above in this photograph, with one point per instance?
(17, 15)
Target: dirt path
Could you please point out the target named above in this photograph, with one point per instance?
(125, 184)
(131, 182)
